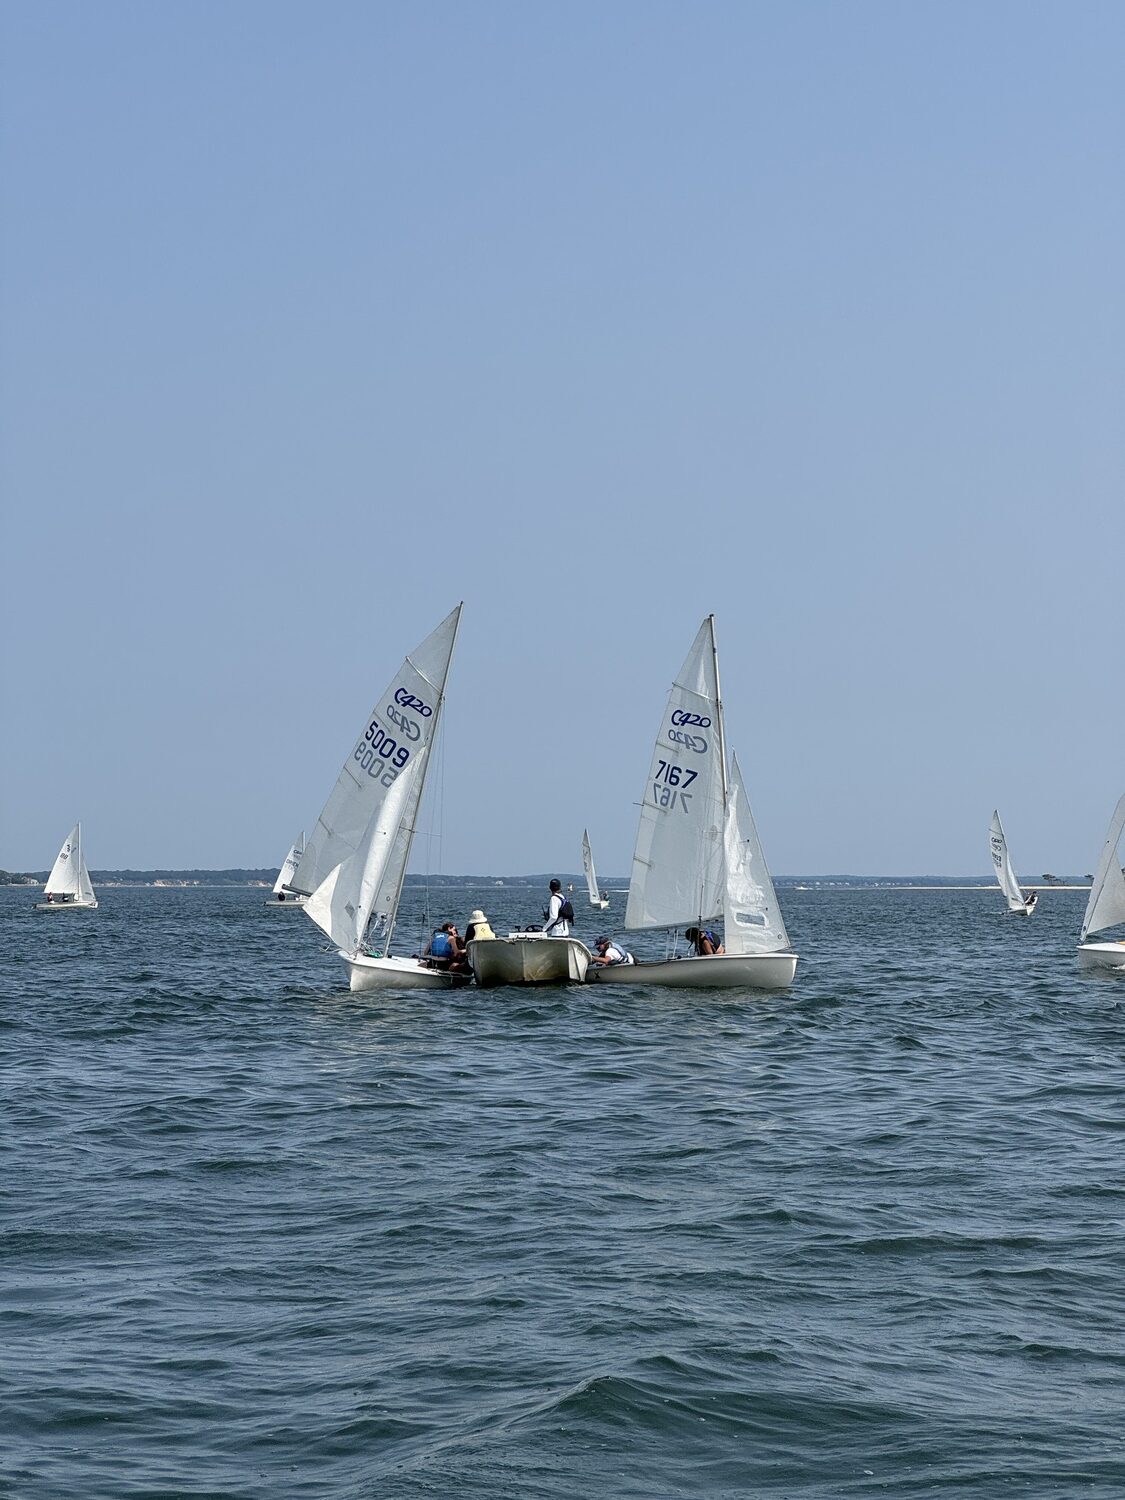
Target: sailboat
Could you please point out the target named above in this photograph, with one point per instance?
(68, 885)
(1106, 906)
(283, 897)
(354, 864)
(1018, 903)
(697, 855)
(596, 897)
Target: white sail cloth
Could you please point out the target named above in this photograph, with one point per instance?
(69, 875)
(289, 866)
(588, 870)
(1106, 906)
(1002, 861)
(344, 901)
(752, 918)
(355, 860)
(678, 865)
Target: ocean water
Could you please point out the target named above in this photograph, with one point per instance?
(260, 1237)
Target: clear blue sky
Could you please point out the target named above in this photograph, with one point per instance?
(317, 318)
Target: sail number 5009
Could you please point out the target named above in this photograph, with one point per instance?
(380, 755)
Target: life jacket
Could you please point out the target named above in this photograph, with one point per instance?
(441, 945)
(565, 912)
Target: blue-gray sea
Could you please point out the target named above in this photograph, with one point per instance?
(263, 1238)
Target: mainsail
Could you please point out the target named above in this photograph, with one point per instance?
(355, 861)
(1003, 862)
(588, 869)
(289, 866)
(678, 866)
(69, 875)
(751, 916)
(1106, 906)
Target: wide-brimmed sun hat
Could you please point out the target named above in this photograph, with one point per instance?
(477, 916)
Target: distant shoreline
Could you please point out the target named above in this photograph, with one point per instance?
(263, 880)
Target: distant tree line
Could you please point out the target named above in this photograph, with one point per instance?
(147, 877)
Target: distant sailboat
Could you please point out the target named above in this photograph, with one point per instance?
(1018, 903)
(68, 885)
(596, 897)
(697, 855)
(1106, 906)
(354, 864)
(283, 896)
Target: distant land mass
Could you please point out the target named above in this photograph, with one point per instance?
(607, 882)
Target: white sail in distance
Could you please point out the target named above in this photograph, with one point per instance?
(1106, 906)
(363, 836)
(69, 876)
(752, 918)
(289, 866)
(588, 870)
(1002, 861)
(678, 866)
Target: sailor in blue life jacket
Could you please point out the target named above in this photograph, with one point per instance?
(610, 953)
(704, 941)
(445, 949)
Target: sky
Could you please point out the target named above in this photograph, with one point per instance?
(601, 317)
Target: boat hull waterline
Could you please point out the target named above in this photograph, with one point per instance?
(529, 958)
(1102, 956)
(710, 971)
(66, 906)
(391, 973)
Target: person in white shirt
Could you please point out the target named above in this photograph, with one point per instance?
(556, 923)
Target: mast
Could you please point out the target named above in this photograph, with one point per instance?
(722, 740)
(412, 825)
(719, 717)
(724, 777)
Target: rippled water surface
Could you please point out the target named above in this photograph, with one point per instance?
(260, 1237)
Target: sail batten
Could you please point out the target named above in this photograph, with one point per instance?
(1106, 906)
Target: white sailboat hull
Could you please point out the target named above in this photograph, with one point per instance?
(528, 958)
(291, 903)
(598, 905)
(711, 971)
(66, 906)
(365, 973)
(1102, 956)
